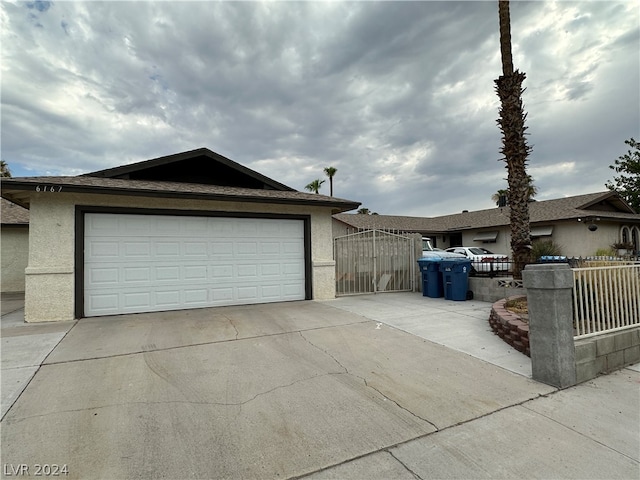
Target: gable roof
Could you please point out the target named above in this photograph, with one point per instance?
(198, 174)
(195, 166)
(13, 214)
(606, 205)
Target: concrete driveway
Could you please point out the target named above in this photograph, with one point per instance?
(330, 389)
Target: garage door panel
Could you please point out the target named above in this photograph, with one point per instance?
(188, 262)
(245, 249)
(292, 248)
(247, 272)
(101, 249)
(136, 275)
(222, 296)
(167, 273)
(196, 296)
(196, 249)
(167, 299)
(165, 250)
(132, 250)
(103, 276)
(196, 272)
(268, 270)
(221, 248)
(220, 273)
(270, 248)
(133, 300)
(103, 304)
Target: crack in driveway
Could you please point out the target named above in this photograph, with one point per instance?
(170, 402)
(366, 383)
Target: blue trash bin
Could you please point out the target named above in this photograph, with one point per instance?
(455, 277)
(431, 277)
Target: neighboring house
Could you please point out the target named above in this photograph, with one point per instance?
(188, 230)
(14, 243)
(566, 221)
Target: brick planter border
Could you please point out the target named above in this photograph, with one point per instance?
(509, 326)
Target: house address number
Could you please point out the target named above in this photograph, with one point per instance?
(46, 188)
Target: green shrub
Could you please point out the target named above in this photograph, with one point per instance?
(545, 248)
(605, 252)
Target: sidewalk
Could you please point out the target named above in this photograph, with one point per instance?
(461, 326)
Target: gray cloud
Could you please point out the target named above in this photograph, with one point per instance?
(398, 96)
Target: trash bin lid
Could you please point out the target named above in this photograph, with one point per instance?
(455, 260)
(429, 259)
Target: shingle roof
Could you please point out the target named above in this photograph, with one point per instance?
(19, 189)
(603, 204)
(13, 214)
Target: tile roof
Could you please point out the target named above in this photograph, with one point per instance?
(603, 204)
(13, 214)
(19, 189)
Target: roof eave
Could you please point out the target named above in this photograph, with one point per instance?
(15, 186)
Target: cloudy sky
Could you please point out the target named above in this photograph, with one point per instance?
(398, 96)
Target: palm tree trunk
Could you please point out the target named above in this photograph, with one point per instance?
(515, 149)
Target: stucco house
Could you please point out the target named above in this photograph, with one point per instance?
(14, 244)
(189, 230)
(568, 221)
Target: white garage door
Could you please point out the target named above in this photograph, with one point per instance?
(146, 263)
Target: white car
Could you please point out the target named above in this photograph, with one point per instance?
(429, 252)
(483, 260)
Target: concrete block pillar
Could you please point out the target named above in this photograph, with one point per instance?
(551, 341)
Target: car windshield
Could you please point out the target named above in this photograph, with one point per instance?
(480, 251)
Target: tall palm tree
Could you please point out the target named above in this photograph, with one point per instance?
(514, 145)
(315, 185)
(330, 172)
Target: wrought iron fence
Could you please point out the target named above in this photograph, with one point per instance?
(371, 261)
(489, 267)
(606, 298)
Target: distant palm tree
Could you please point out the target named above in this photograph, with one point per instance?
(4, 169)
(514, 145)
(315, 186)
(330, 172)
(365, 211)
(532, 192)
(500, 195)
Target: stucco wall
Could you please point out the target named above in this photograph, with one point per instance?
(502, 244)
(49, 288)
(573, 237)
(576, 240)
(14, 256)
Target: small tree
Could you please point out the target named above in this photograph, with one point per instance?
(4, 169)
(315, 185)
(330, 172)
(628, 183)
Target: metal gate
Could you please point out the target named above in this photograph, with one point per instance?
(371, 261)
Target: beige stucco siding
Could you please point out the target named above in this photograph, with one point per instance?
(49, 294)
(573, 238)
(14, 255)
